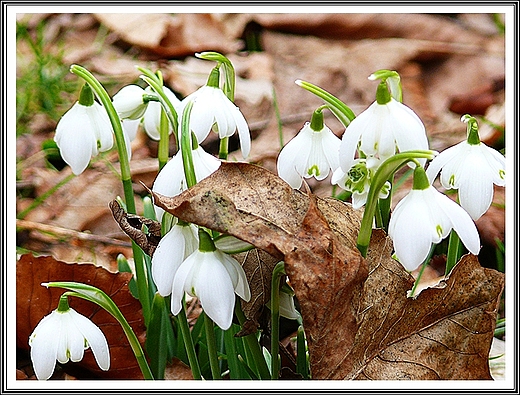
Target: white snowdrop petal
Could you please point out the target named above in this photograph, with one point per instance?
(76, 150)
(215, 291)
(205, 164)
(330, 145)
(475, 186)
(237, 275)
(44, 343)
(167, 258)
(292, 160)
(408, 129)
(349, 141)
(152, 120)
(496, 162)
(95, 338)
(461, 222)
(435, 166)
(179, 282)
(76, 341)
(243, 133)
(411, 231)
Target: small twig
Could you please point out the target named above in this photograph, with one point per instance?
(69, 233)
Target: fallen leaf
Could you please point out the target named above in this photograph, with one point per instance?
(258, 266)
(34, 301)
(170, 35)
(359, 321)
(444, 333)
(269, 214)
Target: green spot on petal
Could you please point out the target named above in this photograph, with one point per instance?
(452, 180)
(314, 170)
(502, 174)
(438, 228)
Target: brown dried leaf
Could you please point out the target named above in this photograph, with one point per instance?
(444, 333)
(258, 266)
(132, 225)
(327, 274)
(360, 324)
(33, 302)
(170, 35)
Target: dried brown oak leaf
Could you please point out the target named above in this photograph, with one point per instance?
(359, 322)
(34, 301)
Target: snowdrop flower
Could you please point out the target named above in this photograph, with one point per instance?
(471, 167)
(384, 127)
(174, 247)
(287, 308)
(152, 115)
(358, 179)
(214, 277)
(213, 110)
(313, 152)
(83, 131)
(62, 335)
(129, 102)
(171, 180)
(426, 216)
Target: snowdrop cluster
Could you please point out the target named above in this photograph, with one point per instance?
(425, 216)
(186, 260)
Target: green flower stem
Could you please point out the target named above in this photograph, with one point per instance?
(383, 173)
(188, 342)
(423, 266)
(301, 354)
(186, 146)
(254, 347)
(454, 251)
(229, 71)
(156, 84)
(232, 354)
(97, 296)
(223, 148)
(126, 178)
(278, 272)
(209, 327)
(164, 141)
(344, 114)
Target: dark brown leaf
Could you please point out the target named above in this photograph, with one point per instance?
(34, 301)
(258, 266)
(132, 225)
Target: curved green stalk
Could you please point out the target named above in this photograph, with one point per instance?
(212, 347)
(164, 141)
(344, 114)
(126, 177)
(383, 173)
(156, 85)
(97, 296)
(186, 146)
(278, 272)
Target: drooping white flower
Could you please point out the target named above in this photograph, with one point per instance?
(81, 133)
(171, 180)
(129, 102)
(174, 247)
(213, 110)
(152, 115)
(64, 335)
(358, 179)
(380, 131)
(214, 277)
(311, 153)
(130, 127)
(472, 169)
(426, 216)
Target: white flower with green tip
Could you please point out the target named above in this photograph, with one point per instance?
(471, 167)
(214, 277)
(313, 152)
(63, 336)
(83, 131)
(426, 216)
